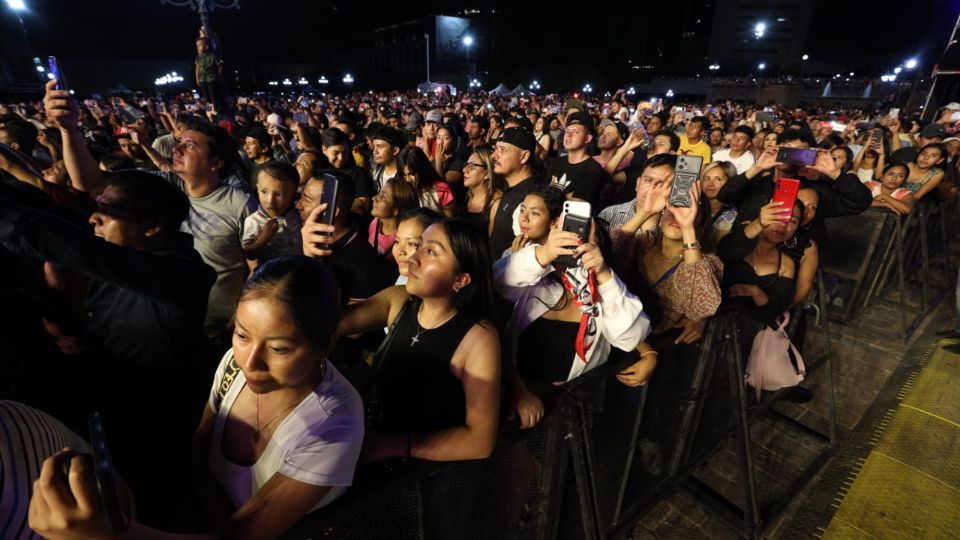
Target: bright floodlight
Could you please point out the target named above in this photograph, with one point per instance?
(897, 70)
(669, 93)
(41, 69)
(911, 63)
(806, 57)
(17, 5)
(760, 29)
(468, 40)
(851, 74)
(761, 66)
(348, 78)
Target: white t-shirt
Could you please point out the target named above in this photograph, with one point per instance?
(317, 443)
(286, 241)
(741, 163)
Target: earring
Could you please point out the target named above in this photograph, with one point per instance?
(456, 288)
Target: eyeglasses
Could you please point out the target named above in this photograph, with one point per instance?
(468, 165)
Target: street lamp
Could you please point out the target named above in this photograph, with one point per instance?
(467, 40)
(19, 6)
(759, 30)
(911, 63)
(323, 80)
(348, 79)
(761, 66)
(587, 88)
(535, 85)
(805, 57)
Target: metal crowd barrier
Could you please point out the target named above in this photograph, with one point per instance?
(874, 252)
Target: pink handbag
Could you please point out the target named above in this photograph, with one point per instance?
(769, 366)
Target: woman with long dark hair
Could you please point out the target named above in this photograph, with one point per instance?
(436, 383)
(484, 188)
(434, 193)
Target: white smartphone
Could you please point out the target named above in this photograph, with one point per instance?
(894, 113)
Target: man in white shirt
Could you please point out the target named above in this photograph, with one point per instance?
(739, 152)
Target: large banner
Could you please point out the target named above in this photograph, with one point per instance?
(449, 39)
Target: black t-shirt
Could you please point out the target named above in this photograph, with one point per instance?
(584, 180)
(362, 181)
(358, 267)
(509, 205)
(455, 163)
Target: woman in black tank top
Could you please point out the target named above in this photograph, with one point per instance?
(437, 379)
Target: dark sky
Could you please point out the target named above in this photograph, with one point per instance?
(294, 30)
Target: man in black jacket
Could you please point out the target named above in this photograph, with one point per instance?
(147, 369)
(841, 194)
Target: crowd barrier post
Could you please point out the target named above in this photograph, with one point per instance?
(824, 321)
(924, 257)
(945, 235)
(692, 410)
(860, 261)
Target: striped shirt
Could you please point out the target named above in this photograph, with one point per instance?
(618, 215)
(27, 438)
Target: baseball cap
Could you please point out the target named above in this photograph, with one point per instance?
(519, 137)
(434, 115)
(393, 136)
(933, 131)
(581, 119)
(573, 104)
(622, 129)
(949, 139)
(953, 106)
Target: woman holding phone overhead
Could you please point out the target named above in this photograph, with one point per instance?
(566, 316)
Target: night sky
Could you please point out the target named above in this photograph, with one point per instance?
(293, 30)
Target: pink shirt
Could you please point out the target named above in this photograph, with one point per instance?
(383, 242)
(875, 190)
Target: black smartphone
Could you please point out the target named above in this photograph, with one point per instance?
(57, 73)
(803, 157)
(685, 174)
(864, 126)
(105, 473)
(328, 195)
(576, 219)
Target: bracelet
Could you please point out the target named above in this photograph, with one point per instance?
(692, 245)
(655, 353)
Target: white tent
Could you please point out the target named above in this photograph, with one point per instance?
(502, 90)
(521, 91)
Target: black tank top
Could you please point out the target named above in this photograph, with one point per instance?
(416, 390)
(546, 349)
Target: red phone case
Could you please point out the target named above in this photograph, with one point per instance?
(786, 193)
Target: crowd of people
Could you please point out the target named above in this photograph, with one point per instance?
(181, 246)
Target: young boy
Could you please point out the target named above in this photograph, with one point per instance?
(274, 229)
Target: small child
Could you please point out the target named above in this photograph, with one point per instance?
(274, 229)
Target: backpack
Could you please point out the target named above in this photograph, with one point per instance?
(769, 366)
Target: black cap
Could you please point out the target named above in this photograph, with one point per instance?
(261, 136)
(519, 137)
(581, 119)
(393, 136)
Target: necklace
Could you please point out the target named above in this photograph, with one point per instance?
(256, 436)
(421, 330)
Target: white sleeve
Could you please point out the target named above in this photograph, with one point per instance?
(251, 229)
(625, 324)
(219, 381)
(326, 455)
(514, 273)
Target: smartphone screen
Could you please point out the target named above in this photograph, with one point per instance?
(331, 187)
(786, 193)
(57, 74)
(797, 156)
